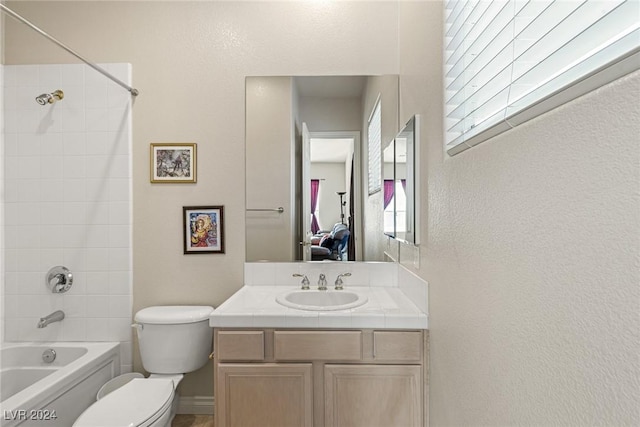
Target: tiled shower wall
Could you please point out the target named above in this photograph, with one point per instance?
(1, 197)
(67, 201)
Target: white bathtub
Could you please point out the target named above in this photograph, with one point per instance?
(36, 393)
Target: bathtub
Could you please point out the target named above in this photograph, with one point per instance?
(36, 393)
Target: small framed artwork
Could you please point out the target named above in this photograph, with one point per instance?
(203, 229)
(173, 162)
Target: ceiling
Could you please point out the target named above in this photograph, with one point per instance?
(331, 86)
(331, 150)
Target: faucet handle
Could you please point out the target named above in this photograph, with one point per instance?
(305, 280)
(322, 282)
(339, 286)
(59, 279)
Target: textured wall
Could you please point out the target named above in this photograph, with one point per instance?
(533, 267)
(532, 245)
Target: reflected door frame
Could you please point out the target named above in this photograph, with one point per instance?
(357, 175)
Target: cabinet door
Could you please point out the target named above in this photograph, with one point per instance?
(264, 395)
(372, 395)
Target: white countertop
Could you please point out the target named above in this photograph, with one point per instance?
(256, 306)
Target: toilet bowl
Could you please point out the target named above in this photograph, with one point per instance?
(173, 340)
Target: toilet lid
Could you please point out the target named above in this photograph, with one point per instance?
(135, 404)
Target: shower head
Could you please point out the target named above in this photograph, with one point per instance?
(50, 98)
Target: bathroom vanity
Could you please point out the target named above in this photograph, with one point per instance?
(280, 366)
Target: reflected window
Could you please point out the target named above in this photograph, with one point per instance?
(374, 139)
(395, 200)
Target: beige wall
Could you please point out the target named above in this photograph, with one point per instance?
(270, 151)
(530, 240)
(189, 62)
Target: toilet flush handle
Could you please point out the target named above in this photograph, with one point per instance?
(138, 326)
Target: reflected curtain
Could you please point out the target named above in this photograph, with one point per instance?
(315, 187)
(389, 189)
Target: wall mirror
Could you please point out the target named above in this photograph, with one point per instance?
(304, 169)
(401, 184)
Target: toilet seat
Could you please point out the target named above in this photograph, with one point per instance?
(136, 404)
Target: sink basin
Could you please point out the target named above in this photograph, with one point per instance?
(321, 300)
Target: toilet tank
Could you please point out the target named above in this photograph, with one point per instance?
(174, 339)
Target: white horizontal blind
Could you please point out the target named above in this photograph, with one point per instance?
(374, 144)
(507, 61)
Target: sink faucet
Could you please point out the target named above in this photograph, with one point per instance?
(322, 283)
(339, 286)
(305, 281)
(56, 316)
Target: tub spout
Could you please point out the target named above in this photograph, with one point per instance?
(56, 316)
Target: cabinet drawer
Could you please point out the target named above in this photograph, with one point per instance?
(397, 346)
(318, 345)
(240, 345)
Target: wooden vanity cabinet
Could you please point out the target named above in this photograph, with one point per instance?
(318, 378)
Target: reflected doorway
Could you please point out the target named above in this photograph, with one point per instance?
(332, 200)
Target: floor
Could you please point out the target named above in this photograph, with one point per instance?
(192, 421)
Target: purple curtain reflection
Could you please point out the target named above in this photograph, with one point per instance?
(389, 189)
(315, 187)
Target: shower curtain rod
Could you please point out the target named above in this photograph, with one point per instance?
(134, 92)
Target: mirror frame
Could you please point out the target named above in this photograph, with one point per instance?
(411, 133)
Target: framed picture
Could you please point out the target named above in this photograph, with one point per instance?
(203, 229)
(173, 162)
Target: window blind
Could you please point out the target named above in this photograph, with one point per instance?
(374, 143)
(508, 61)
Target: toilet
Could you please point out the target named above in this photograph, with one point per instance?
(173, 340)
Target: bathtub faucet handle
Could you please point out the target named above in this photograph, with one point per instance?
(59, 279)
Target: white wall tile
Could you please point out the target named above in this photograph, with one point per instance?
(98, 330)
(74, 190)
(72, 121)
(97, 282)
(52, 167)
(97, 259)
(97, 119)
(119, 213)
(119, 236)
(119, 259)
(75, 305)
(10, 145)
(51, 144)
(72, 75)
(25, 75)
(119, 189)
(97, 236)
(74, 144)
(74, 166)
(29, 144)
(68, 202)
(97, 190)
(120, 306)
(73, 213)
(120, 283)
(50, 76)
(98, 306)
